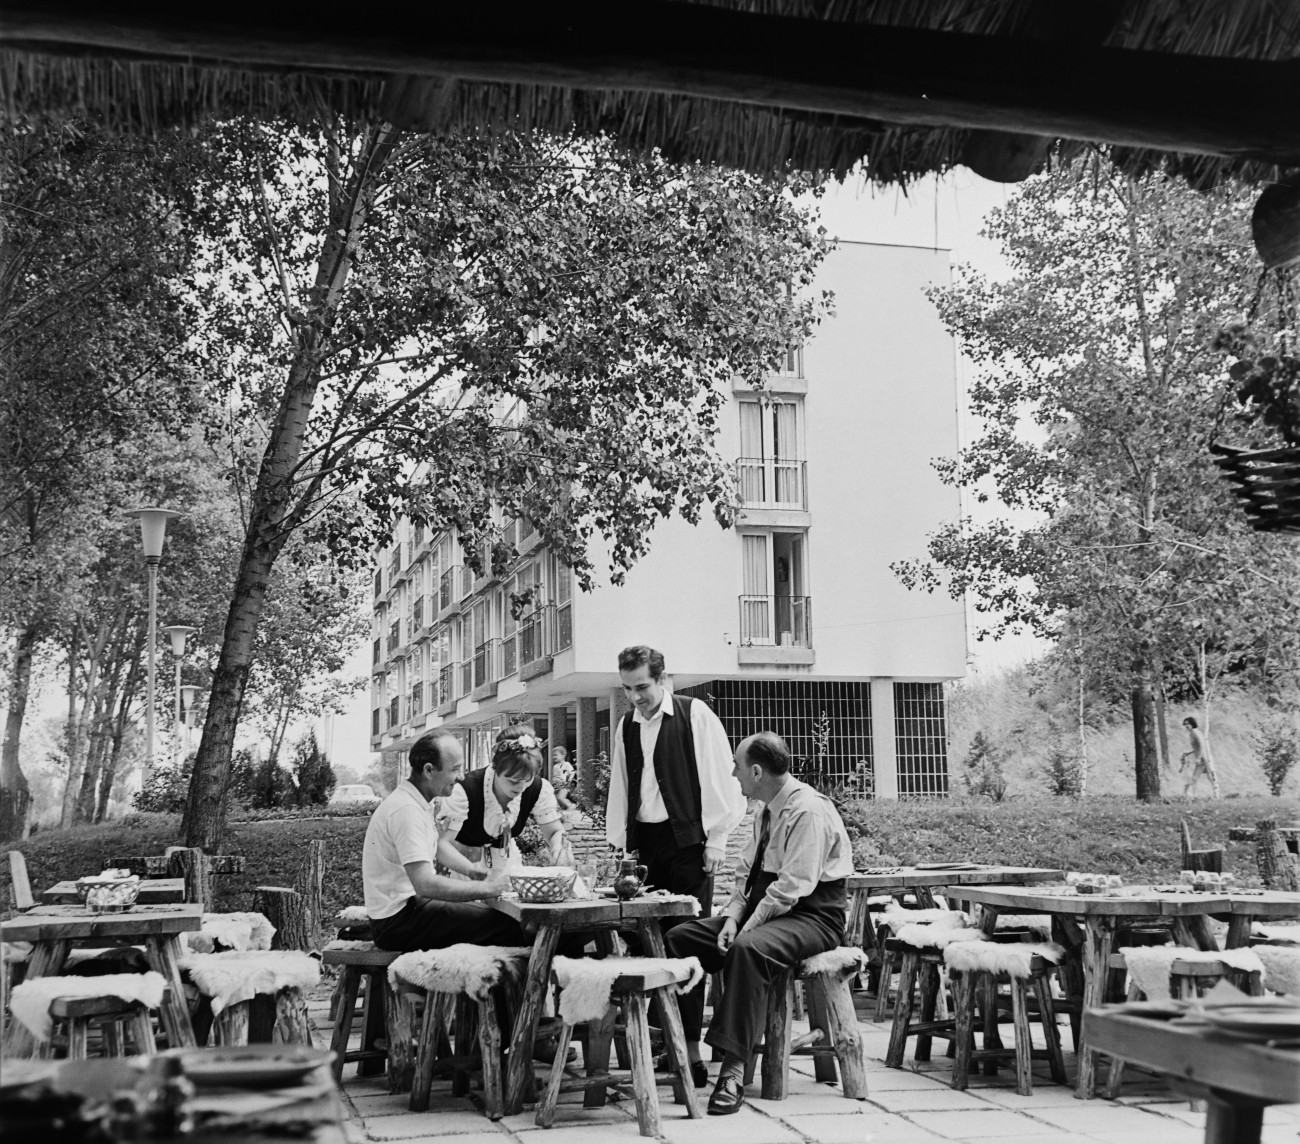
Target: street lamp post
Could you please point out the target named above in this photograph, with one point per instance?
(189, 700)
(153, 531)
(177, 633)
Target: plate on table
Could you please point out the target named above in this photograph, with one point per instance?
(20, 1073)
(252, 1066)
(1261, 1021)
(946, 866)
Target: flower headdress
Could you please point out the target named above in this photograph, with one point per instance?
(520, 744)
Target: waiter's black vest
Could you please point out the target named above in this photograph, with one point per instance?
(472, 832)
(676, 770)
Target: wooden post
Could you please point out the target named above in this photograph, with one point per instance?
(291, 1025)
(310, 884)
(1277, 869)
(194, 866)
(283, 908)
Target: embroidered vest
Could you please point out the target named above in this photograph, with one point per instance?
(675, 768)
(473, 833)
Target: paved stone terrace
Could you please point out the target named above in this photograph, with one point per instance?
(905, 1106)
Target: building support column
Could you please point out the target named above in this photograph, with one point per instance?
(557, 731)
(618, 707)
(588, 747)
(884, 744)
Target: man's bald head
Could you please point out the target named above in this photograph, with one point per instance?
(767, 750)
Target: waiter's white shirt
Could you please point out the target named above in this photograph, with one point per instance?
(721, 804)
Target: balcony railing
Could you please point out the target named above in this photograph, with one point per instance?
(768, 482)
(417, 615)
(417, 700)
(394, 711)
(375, 715)
(509, 656)
(449, 683)
(537, 634)
(563, 627)
(394, 636)
(466, 677)
(455, 584)
(395, 565)
(487, 663)
(781, 621)
(379, 582)
(379, 650)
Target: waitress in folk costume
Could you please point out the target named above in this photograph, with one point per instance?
(488, 809)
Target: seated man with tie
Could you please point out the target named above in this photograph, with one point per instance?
(788, 903)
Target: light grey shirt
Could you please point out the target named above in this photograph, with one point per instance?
(807, 845)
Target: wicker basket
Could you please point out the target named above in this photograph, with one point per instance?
(543, 884)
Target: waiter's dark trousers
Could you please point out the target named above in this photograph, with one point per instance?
(679, 869)
(748, 968)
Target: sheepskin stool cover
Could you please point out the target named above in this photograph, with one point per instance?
(1281, 968)
(895, 917)
(1149, 966)
(457, 981)
(230, 981)
(587, 990)
(30, 1001)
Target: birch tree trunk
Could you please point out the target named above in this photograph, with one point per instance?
(1145, 757)
(15, 795)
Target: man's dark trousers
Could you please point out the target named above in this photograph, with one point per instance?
(427, 924)
(755, 959)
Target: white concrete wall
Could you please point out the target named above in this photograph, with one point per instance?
(881, 402)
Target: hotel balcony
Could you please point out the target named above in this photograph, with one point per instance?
(487, 669)
(773, 491)
(449, 680)
(456, 583)
(775, 630)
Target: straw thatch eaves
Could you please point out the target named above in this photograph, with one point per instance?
(911, 87)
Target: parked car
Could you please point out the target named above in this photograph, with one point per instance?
(353, 792)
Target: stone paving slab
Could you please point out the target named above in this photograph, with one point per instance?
(912, 1105)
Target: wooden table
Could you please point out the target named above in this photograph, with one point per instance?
(923, 882)
(223, 1115)
(53, 930)
(547, 922)
(1238, 1079)
(1102, 914)
(152, 892)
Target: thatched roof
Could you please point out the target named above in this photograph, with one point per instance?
(909, 87)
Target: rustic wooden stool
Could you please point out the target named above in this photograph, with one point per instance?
(920, 948)
(113, 1016)
(468, 988)
(833, 1038)
(892, 919)
(273, 1007)
(362, 961)
(631, 981)
(1025, 968)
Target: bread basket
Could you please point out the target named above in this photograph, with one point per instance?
(107, 894)
(540, 884)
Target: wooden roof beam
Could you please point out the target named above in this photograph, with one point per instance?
(1196, 104)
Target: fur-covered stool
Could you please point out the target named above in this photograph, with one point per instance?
(892, 919)
(833, 1037)
(468, 984)
(363, 963)
(1281, 968)
(1025, 967)
(113, 1002)
(233, 981)
(1156, 972)
(919, 947)
(588, 988)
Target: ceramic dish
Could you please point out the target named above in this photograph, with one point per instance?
(252, 1066)
(1255, 1021)
(945, 866)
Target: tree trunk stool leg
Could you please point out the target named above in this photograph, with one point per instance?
(776, 1037)
(902, 1009)
(426, 1055)
(963, 992)
(349, 986)
(114, 1041)
(1115, 1077)
(1051, 1031)
(643, 1071)
(988, 990)
(929, 997)
(888, 963)
(142, 1033)
(818, 993)
(546, 1109)
(600, 1037)
(401, 1057)
(490, 1047)
(834, 999)
(373, 1022)
(78, 1030)
(675, 1047)
(230, 1026)
(466, 1037)
(291, 1024)
(1024, 1045)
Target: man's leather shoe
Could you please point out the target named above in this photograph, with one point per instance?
(727, 1097)
(699, 1070)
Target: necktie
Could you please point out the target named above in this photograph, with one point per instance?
(756, 867)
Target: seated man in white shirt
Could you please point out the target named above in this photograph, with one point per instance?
(410, 905)
(788, 903)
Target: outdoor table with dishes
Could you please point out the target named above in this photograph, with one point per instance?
(1239, 1054)
(598, 914)
(254, 1094)
(53, 930)
(1102, 912)
(152, 891)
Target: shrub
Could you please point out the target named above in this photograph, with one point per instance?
(595, 807)
(1278, 752)
(1064, 772)
(982, 769)
(166, 789)
(312, 774)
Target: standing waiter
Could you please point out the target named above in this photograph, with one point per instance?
(672, 797)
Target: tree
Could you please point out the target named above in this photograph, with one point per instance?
(91, 326)
(448, 325)
(313, 777)
(1099, 391)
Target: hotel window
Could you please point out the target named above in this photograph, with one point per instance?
(775, 608)
(771, 467)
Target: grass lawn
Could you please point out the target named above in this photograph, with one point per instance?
(1109, 834)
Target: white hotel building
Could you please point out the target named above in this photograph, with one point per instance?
(791, 621)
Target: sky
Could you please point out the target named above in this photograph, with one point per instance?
(946, 213)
